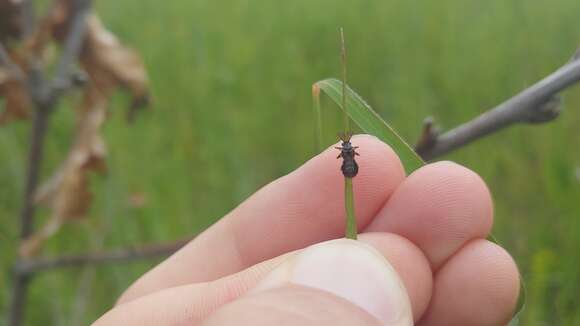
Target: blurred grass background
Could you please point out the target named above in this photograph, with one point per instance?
(231, 83)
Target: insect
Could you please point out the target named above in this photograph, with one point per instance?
(347, 152)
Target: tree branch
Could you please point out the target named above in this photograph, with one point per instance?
(65, 74)
(19, 294)
(34, 265)
(44, 97)
(536, 104)
(35, 155)
(27, 18)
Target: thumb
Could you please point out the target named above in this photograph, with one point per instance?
(340, 282)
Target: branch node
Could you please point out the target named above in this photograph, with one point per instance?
(546, 111)
(63, 84)
(428, 137)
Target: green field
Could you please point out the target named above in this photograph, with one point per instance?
(232, 111)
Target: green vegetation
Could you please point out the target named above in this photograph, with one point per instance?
(233, 111)
(369, 121)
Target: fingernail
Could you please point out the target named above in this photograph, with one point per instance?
(351, 270)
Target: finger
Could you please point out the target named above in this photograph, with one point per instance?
(194, 302)
(292, 305)
(439, 207)
(354, 273)
(410, 264)
(302, 208)
(187, 304)
(478, 286)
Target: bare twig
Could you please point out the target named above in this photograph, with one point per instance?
(21, 281)
(34, 265)
(44, 98)
(65, 73)
(428, 135)
(35, 79)
(19, 294)
(536, 104)
(27, 18)
(35, 154)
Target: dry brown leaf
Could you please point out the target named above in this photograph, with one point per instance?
(67, 192)
(108, 62)
(10, 27)
(112, 65)
(16, 101)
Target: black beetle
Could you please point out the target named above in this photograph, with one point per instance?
(347, 152)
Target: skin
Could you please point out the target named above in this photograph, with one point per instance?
(431, 226)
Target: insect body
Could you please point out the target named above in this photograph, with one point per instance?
(347, 152)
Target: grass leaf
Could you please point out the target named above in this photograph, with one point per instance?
(351, 227)
(318, 113)
(370, 122)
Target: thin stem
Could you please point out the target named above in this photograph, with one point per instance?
(27, 18)
(343, 64)
(35, 265)
(19, 294)
(318, 117)
(71, 51)
(351, 228)
(44, 98)
(35, 154)
(35, 157)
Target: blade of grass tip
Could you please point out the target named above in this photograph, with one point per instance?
(343, 64)
(318, 117)
(351, 229)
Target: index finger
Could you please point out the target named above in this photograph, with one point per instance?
(297, 210)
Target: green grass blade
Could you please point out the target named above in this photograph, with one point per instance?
(521, 305)
(318, 117)
(351, 229)
(370, 122)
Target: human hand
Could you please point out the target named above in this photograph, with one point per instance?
(426, 231)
